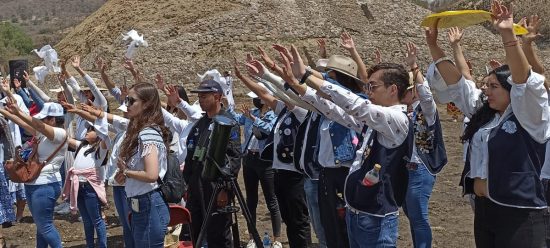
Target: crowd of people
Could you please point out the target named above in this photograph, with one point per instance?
(337, 147)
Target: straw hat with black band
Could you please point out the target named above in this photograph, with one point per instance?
(344, 65)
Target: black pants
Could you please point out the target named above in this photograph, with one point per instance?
(218, 232)
(257, 171)
(331, 191)
(500, 226)
(289, 188)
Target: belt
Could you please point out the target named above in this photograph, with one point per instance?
(145, 195)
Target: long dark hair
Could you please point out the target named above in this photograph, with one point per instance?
(348, 82)
(93, 148)
(485, 114)
(151, 117)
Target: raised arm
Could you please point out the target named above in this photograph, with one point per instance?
(111, 86)
(100, 100)
(39, 93)
(446, 68)
(532, 24)
(348, 44)
(260, 91)
(455, 35)
(503, 21)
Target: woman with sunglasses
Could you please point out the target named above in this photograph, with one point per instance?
(507, 135)
(142, 160)
(47, 127)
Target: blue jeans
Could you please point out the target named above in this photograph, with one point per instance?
(421, 183)
(41, 200)
(121, 204)
(371, 231)
(149, 222)
(312, 200)
(89, 207)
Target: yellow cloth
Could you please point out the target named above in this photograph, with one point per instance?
(463, 18)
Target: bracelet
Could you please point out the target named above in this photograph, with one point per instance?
(511, 43)
(444, 58)
(99, 114)
(305, 76)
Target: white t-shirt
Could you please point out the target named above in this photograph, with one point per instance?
(50, 172)
(82, 162)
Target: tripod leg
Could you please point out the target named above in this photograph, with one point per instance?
(206, 217)
(246, 212)
(235, 229)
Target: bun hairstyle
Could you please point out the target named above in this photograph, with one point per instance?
(485, 114)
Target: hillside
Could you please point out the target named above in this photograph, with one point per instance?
(47, 21)
(188, 37)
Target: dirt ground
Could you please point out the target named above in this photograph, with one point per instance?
(450, 214)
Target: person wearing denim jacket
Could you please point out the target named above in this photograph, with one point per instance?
(258, 123)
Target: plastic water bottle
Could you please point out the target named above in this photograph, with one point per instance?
(372, 177)
(266, 240)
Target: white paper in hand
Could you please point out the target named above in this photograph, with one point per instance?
(136, 41)
(40, 73)
(50, 57)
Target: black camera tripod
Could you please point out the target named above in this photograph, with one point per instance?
(227, 178)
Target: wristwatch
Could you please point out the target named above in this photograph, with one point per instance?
(305, 76)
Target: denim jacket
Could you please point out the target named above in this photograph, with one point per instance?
(343, 142)
(264, 125)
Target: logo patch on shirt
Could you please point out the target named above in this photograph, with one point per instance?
(288, 120)
(509, 127)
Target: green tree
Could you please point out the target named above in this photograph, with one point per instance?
(13, 42)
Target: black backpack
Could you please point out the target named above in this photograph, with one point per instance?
(172, 186)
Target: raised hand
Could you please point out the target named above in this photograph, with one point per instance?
(503, 18)
(267, 60)
(5, 86)
(283, 50)
(129, 65)
(246, 111)
(494, 64)
(69, 107)
(431, 34)
(173, 96)
(159, 81)
(532, 24)
(26, 76)
(123, 91)
(347, 42)
(16, 83)
(287, 74)
(75, 61)
(377, 56)
(63, 65)
(455, 35)
(255, 68)
(412, 54)
(61, 78)
(11, 105)
(101, 66)
(298, 66)
(322, 43)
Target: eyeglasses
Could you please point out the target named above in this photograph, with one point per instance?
(130, 101)
(369, 87)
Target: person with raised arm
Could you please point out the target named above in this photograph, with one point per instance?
(387, 136)
(47, 127)
(507, 139)
(428, 155)
(348, 44)
(288, 181)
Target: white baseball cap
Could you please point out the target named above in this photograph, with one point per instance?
(50, 109)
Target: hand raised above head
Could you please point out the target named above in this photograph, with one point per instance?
(255, 68)
(172, 94)
(283, 50)
(267, 60)
(346, 41)
(412, 54)
(455, 35)
(503, 18)
(432, 33)
(75, 61)
(532, 24)
(101, 66)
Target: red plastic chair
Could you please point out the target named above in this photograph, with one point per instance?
(178, 215)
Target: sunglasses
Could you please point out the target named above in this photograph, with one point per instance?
(130, 101)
